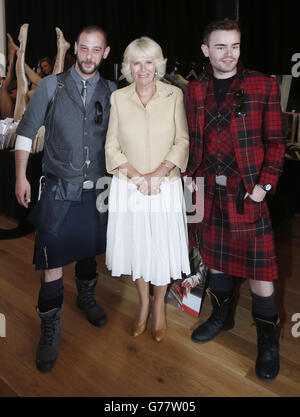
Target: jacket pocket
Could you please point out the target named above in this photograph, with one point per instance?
(253, 222)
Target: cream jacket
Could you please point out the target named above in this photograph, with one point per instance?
(146, 136)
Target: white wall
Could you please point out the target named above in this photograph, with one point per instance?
(2, 38)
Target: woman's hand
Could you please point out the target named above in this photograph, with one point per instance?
(141, 184)
(154, 181)
(136, 177)
(148, 184)
(156, 178)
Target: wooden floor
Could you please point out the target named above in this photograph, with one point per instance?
(108, 362)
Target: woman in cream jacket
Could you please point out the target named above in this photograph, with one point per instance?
(146, 151)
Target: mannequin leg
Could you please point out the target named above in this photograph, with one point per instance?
(21, 101)
(7, 105)
(62, 47)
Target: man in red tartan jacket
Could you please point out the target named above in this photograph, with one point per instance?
(237, 145)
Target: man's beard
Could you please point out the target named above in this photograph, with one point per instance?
(93, 69)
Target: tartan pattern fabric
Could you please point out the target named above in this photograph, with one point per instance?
(247, 258)
(237, 244)
(219, 157)
(257, 137)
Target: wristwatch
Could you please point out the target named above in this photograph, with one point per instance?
(265, 187)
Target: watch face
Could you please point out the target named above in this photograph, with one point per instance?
(268, 187)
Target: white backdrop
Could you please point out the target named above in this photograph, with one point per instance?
(2, 38)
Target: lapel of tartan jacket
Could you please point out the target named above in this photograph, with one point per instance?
(242, 136)
(196, 152)
(240, 126)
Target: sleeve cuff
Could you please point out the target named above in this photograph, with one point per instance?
(113, 163)
(23, 144)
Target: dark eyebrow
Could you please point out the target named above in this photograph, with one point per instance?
(82, 45)
(223, 44)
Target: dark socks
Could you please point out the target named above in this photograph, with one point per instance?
(86, 269)
(51, 295)
(264, 307)
(221, 285)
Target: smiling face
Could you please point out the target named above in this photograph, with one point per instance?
(90, 50)
(223, 51)
(143, 70)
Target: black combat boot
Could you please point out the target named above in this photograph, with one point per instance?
(50, 331)
(87, 303)
(267, 362)
(220, 319)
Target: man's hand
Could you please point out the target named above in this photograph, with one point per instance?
(23, 189)
(258, 194)
(23, 192)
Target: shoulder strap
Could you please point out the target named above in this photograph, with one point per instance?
(52, 103)
(60, 78)
(105, 82)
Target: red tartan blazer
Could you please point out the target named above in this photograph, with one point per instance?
(257, 138)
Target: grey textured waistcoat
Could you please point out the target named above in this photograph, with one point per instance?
(75, 150)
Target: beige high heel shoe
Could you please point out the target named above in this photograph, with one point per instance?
(159, 335)
(138, 329)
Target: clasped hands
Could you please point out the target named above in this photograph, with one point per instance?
(148, 184)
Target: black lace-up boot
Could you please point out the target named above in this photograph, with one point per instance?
(50, 331)
(267, 362)
(86, 301)
(220, 319)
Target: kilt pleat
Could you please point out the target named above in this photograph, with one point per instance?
(252, 258)
(82, 235)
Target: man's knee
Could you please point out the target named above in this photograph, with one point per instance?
(52, 274)
(261, 288)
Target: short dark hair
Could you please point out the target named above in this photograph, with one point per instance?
(92, 29)
(47, 59)
(225, 24)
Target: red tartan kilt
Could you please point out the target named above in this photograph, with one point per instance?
(252, 257)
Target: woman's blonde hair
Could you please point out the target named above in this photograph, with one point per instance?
(148, 47)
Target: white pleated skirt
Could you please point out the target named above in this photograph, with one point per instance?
(147, 235)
